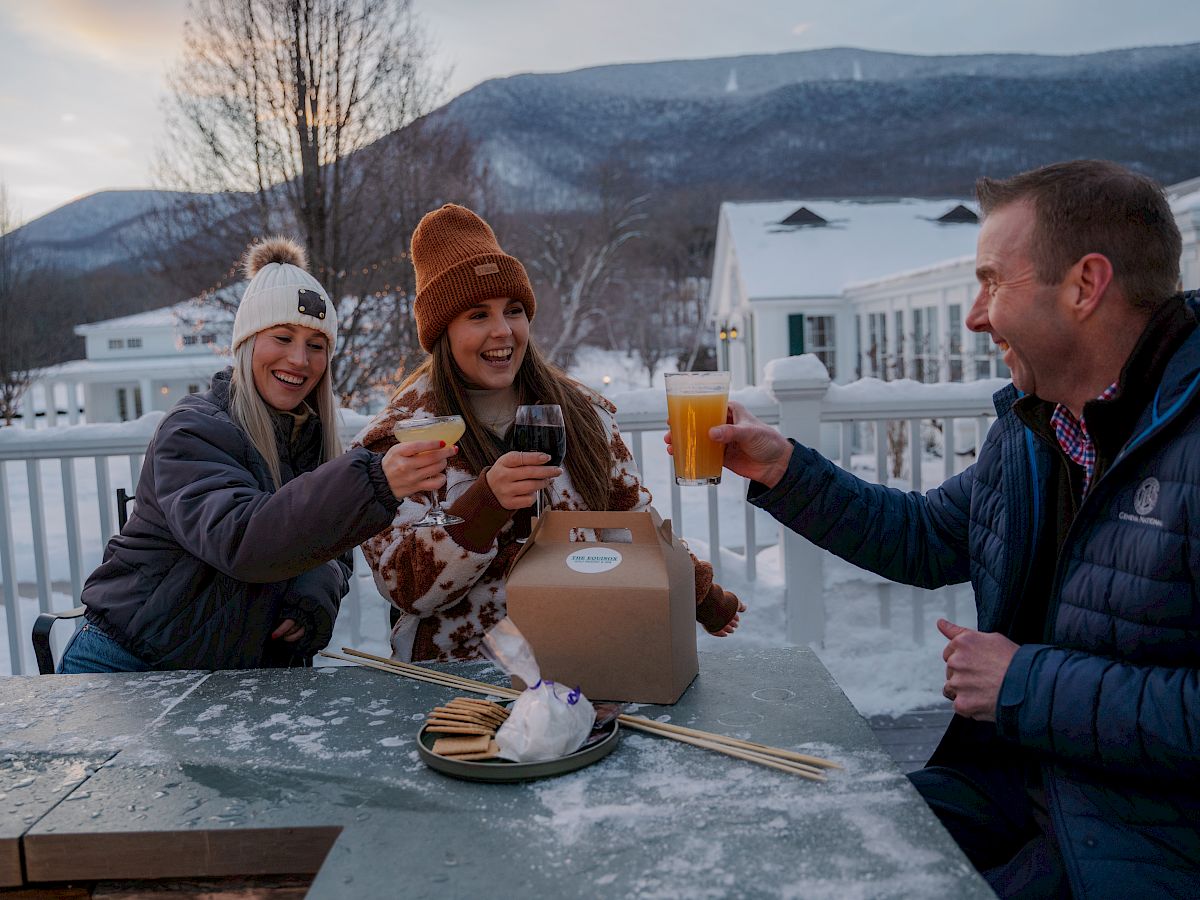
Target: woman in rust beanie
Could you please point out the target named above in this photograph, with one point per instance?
(473, 309)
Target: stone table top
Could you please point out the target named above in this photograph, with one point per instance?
(197, 774)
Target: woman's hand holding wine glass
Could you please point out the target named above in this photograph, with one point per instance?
(517, 477)
(540, 428)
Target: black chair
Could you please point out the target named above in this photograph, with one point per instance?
(44, 623)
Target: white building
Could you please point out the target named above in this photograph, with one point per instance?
(872, 288)
(134, 365)
(781, 269)
(1185, 203)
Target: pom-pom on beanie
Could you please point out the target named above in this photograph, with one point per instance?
(281, 292)
(459, 263)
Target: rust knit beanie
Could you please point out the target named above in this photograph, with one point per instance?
(459, 263)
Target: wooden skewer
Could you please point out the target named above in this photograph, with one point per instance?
(783, 765)
(751, 746)
(425, 673)
(774, 757)
(429, 676)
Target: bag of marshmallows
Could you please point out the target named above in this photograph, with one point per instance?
(547, 720)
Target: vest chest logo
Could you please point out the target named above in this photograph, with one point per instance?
(1145, 499)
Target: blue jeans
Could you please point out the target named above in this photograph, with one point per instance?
(91, 650)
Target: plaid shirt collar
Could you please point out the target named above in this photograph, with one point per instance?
(1074, 439)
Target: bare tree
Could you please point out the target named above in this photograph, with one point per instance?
(18, 341)
(36, 309)
(668, 276)
(574, 260)
(274, 123)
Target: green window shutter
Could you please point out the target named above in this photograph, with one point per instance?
(795, 335)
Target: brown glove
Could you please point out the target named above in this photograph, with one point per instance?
(715, 606)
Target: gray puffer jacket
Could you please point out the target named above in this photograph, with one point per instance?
(213, 557)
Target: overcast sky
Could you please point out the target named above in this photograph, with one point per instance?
(81, 81)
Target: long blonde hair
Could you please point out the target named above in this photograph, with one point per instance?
(589, 460)
(254, 416)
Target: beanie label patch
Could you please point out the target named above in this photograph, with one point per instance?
(310, 303)
(487, 269)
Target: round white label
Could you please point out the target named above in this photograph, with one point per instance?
(597, 559)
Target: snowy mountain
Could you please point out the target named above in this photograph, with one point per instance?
(103, 229)
(833, 122)
(759, 74)
(822, 123)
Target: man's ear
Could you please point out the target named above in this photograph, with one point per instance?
(1092, 278)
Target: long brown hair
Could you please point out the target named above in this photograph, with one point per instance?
(589, 459)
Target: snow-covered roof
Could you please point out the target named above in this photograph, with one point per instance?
(863, 240)
(181, 365)
(164, 317)
(946, 265)
(1185, 191)
(1189, 202)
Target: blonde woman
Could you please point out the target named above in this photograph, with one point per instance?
(236, 552)
(473, 308)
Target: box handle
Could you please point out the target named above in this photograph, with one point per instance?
(557, 527)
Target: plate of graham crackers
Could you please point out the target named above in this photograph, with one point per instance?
(459, 739)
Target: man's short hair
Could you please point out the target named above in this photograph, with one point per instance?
(1094, 206)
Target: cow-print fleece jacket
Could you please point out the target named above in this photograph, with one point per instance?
(448, 583)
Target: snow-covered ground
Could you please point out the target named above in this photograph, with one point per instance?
(882, 669)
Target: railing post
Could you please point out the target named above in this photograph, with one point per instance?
(8, 569)
(72, 403)
(799, 385)
(52, 405)
(28, 413)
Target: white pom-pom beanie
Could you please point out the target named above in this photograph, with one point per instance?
(282, 292)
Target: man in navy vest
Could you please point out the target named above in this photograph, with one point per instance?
(1072, 765)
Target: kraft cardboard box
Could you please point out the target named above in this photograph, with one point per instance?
(617, 619)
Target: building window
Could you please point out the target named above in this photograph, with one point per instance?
(812, 334)
(859, 342)
(133, 343)
(899, 369)
(820, 341)
(925, 345)
(190, 339)
(123, 404)
(988, 363)
(116, 343)
(954, 327)
(208, 338)
(877, 346)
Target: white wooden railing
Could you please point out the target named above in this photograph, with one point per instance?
(55, 514)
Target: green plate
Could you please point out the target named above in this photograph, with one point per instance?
(505, 770)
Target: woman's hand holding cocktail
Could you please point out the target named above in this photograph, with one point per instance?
(516, 477)
(753, 449)
(416, 466)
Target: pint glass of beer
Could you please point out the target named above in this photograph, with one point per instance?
(696, 402)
